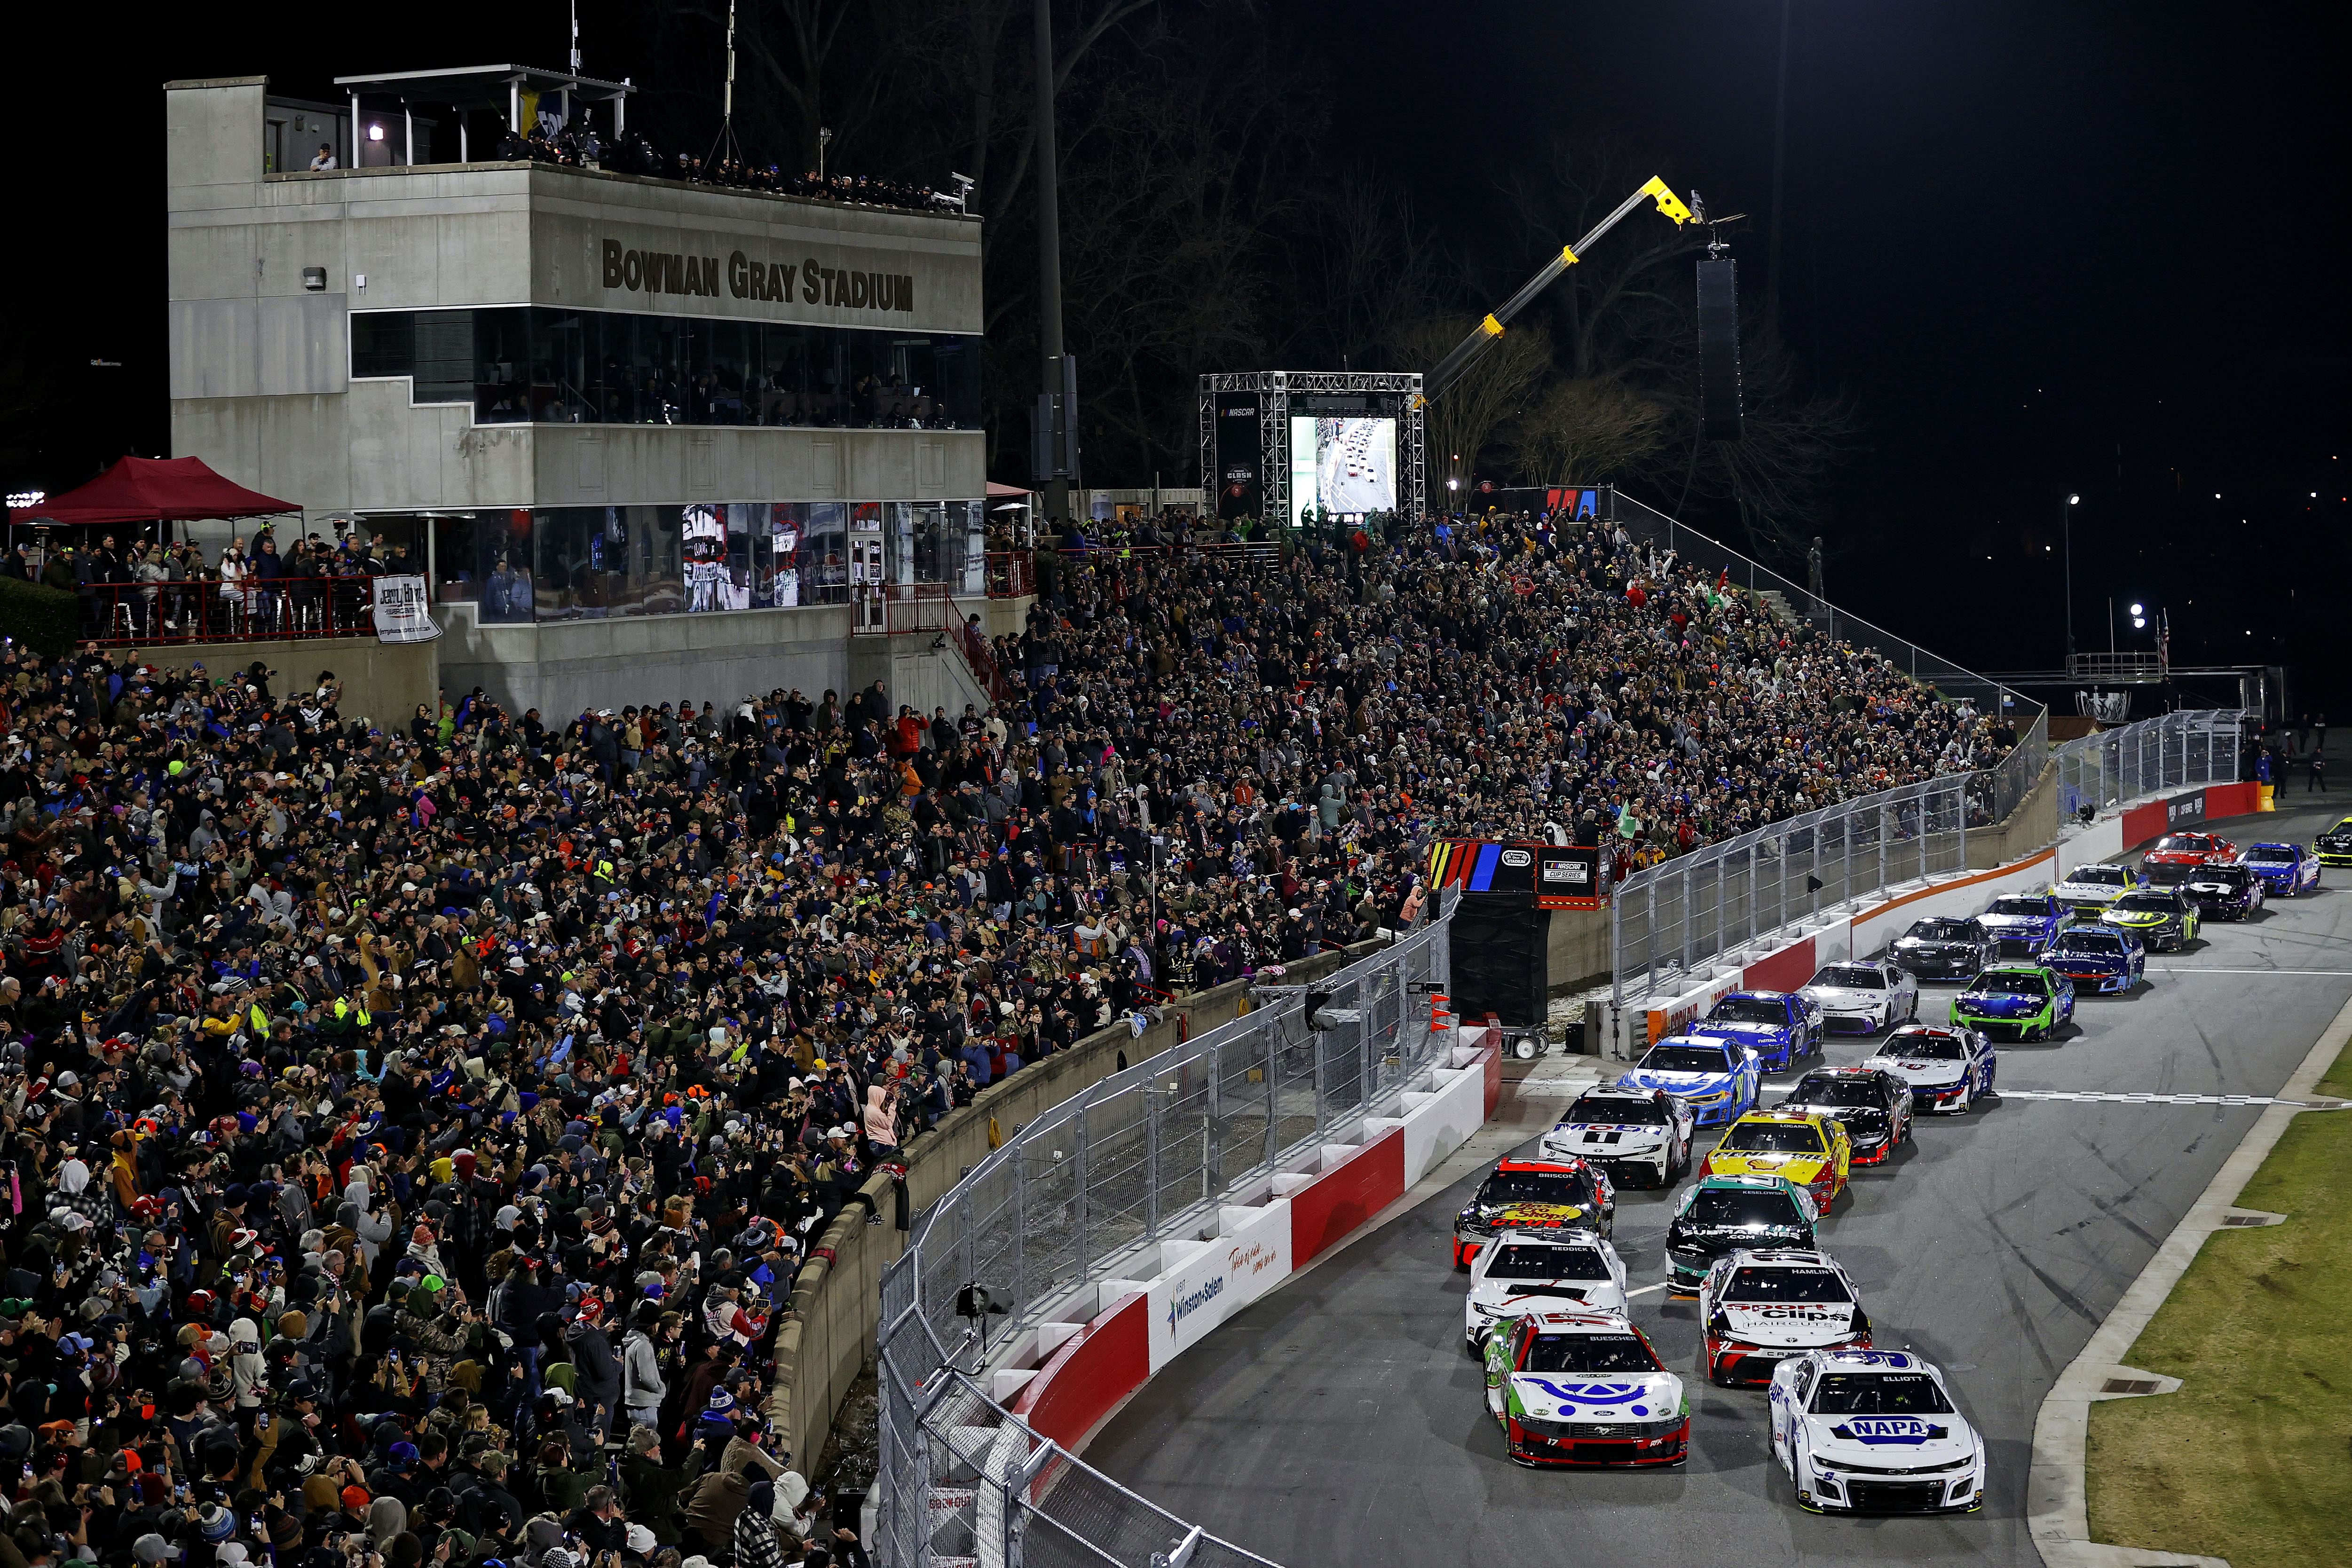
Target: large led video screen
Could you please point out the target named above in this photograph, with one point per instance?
(1344, 465)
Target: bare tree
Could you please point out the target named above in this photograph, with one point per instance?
(1586, 430)
(1465, 416)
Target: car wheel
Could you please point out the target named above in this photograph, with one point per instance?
(1471, 1347)
(1968, 1097)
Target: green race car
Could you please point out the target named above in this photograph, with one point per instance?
(2021, 1001)
(2334, 845)
(2160, 917)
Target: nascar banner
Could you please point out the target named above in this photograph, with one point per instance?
(1554, 876)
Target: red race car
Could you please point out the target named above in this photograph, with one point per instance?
(2191, 850)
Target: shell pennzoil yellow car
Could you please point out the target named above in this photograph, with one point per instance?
(1803, 1148)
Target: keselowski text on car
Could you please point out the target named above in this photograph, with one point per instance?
(1863, 995)
(1948, 1069)
(2160, 917)
(2092, 886)
(1628, 1133)
(1584, 1388)
(1868, 1431)
(2286, 870)
(1871, 1104)
(2023, 922)
(1805, 1150)
(1720, 1213)
(2225, 892)
(1536, 1196)
(2098, 958)
(2190, 849)
(1940, 949)
(2334, 847)
(1761, 1306)
(1540, 1271)
(1717, 1079)
(1779, 1026)
(2021, 1001)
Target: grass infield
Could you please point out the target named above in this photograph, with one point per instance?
(2251, 1459)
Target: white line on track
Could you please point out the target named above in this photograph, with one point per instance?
(2200, 969)
(1646, 1289)
(2120, 1099)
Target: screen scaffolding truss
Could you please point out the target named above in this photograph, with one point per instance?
(1273, 390)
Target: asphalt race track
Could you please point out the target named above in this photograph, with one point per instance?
(1338, 1422)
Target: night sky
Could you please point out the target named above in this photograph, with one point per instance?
(2087, 248)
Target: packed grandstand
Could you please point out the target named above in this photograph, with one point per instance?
(401, 1111)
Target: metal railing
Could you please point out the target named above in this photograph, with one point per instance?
(2194, 746)
(255, 610)
(1078, 1196)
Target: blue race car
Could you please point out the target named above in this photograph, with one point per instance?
(2285, 869)
(2098, 959)
(1719, 1079)
(1779, 1026)
(2024, 922)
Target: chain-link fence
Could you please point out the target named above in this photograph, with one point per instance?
(2195, 746)
(1073, 1199)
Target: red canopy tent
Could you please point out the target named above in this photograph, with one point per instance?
(157, 490)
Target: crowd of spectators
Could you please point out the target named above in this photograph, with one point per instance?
(415, 1126)
(135, 588)
(635, 154)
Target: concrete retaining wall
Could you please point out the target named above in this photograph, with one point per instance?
(383, 682)
(562, 666)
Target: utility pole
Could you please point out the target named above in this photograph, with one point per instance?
(1054, 409)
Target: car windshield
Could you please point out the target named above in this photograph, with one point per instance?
(1591, 1352)
(2223, 875)
(1786, 1285)
(1532, 1187)
(1851, 977)
(1641, 1113)
(2106, 944)
(1773, 1137)
(1756, 1210)
(1927, 1048)
(2017, 906)
(1944, 930)
(1749, 1009)
(2181, 845)
(1522, 1261)
(1686, 1059)
(1836, 1092)
(1880, 1394)
(2168, 874)
(2099, 876)
(2007, 982)
(2272, 854)
(2149, 904)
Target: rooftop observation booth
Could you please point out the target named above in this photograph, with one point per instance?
(648, 436)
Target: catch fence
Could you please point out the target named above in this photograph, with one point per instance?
(2174, 751)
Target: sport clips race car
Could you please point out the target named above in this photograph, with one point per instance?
(1777, 1026)
(1864, 997)
(1869, 1431)
(1533, 1196)
(1716, 1079)
(1761, 1307)
(1540, 1271)
(1583, 1389)
(2286, 870)
(1948, 1069)
(1627, 1133)
(1802, 1149)
(2023, 1001)
(2098, 958)
(1722, 1213)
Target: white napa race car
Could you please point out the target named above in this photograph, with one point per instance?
(1523, 1272)
(1627, 1133)
(1866, 1431)
(1761, 1306)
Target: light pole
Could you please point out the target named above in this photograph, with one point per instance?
(2066, 532)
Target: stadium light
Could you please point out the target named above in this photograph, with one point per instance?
(2140, 610)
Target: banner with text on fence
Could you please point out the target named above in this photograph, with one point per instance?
(400, 611)
(1556, 876)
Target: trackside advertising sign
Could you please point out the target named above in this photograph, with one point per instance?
(1230, 1274)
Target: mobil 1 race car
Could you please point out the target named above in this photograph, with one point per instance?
(1761, 1307)
(1940, 949)
(1948, 1069)
(1777, 1026)
(1802, 1149)
(1869, 1431)
(2023, 922)
(2189, 850)
(1627, 1133)
(2159, 917)
(2334, 847)
(2286, 870)
(1584, 1388)
(2022, 1002)
(1720, 1213)
(1865, 995)
(2092, 886)
(1533, 1195)
(2224, 891)
(2098, 958)
(1540, 1271)
(1871, 1104)
(1716, 1079)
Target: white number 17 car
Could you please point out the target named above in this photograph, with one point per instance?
(1867, 1431)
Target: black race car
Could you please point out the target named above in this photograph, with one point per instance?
(2224, 891)
(1945, 949)
(1874, 1105)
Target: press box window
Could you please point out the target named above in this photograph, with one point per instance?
(434, 348)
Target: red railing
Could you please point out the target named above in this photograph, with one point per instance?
(279, 610)
(1012, 574)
